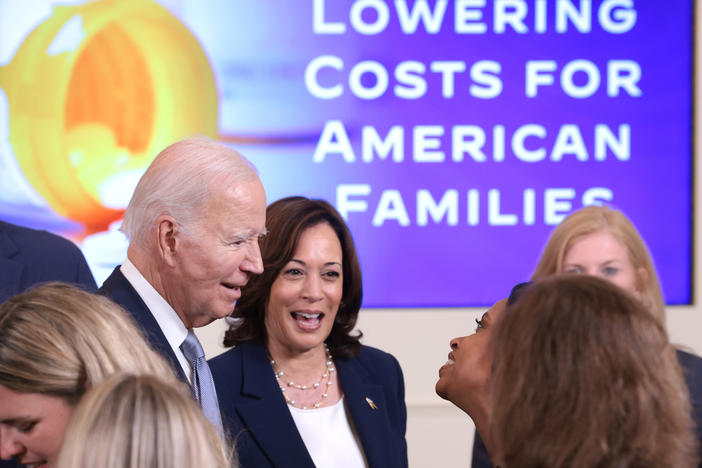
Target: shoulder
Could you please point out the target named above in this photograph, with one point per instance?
(689, 361)
(45, 256)
(375, 355)
(227, 358)
(692, 368)
(374, 362)
(43, 241)
(229, 365)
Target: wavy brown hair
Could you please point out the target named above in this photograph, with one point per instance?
(286, 220)
(584, 376)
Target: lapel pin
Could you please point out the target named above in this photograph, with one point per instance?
(370, 403)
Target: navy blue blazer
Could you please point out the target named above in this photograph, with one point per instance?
(117, 288)
(29, 257)
(256, 415)
(692, 370)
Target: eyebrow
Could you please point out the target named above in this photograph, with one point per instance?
(611, 260)
(246, 235)
(305, 264)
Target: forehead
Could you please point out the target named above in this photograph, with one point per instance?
(320, 238)
(596, 245)
(494, 312)
(19, 404)
(244, 202)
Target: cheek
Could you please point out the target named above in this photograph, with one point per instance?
(52, 438)
(281, 297)
(334, 291)
(626, 281)
(473, 370)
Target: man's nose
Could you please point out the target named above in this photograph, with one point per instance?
(253, 263)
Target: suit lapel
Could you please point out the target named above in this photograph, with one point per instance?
(117, 288)
(10, 269)
(368, 410)
(266, 414)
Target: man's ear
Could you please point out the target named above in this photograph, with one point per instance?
(167, 238)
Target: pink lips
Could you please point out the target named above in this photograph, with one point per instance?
(450, 358)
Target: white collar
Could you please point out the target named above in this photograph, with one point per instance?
(168, 320)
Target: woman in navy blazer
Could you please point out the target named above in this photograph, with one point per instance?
(298, 389)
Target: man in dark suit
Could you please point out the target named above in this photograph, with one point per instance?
(29, 257)
(193, 225)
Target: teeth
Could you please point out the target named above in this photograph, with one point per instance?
(308, 316)
(450, 362)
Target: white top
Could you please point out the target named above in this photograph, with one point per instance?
(329, 436)
(171, 325)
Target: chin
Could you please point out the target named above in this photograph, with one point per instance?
(440, 390)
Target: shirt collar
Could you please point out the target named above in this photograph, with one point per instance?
(168, 320)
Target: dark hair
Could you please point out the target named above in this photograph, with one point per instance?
(517, 291)
(584, 376)
(286, 220)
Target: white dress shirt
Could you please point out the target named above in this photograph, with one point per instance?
(171, 325)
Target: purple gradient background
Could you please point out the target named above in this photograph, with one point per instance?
(441, 265)
(259, 51)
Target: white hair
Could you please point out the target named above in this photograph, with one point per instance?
(179, 181)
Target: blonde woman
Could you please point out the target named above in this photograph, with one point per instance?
(56, 342)
(132, 421)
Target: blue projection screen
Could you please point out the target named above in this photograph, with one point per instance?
(452, 135)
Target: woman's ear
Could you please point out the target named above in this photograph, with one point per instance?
(642, 279)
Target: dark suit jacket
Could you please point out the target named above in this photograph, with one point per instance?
(117, 288)
(692, 369)
(256, 415)
(29, 257)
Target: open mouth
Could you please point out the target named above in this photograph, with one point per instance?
(307, 321)
(449, 362)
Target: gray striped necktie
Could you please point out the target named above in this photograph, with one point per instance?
(202, 383)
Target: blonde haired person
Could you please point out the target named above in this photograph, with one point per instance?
(583, 376)
(132, 421)
(56, 342)
(608, 225)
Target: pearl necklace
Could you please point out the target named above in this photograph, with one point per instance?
(326, 378)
